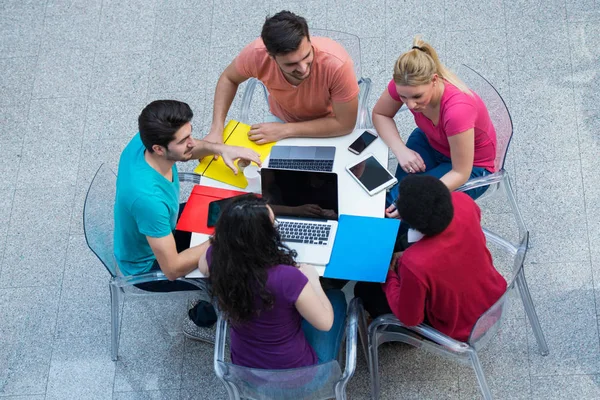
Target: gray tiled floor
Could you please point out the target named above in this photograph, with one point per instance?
(74, 76)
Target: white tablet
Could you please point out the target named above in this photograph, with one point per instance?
(371, 174)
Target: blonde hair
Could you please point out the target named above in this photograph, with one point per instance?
(417, 66)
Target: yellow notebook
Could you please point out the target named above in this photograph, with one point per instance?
(234, 134)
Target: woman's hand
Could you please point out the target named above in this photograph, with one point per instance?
(410, 161)
(391, 212)
(394, 262)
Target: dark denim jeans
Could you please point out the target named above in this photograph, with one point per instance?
(436, 165)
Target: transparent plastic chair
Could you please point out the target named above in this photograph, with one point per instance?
(502, 121)
(427, 338)
(352, 45)
(98, 224)
(317, 382)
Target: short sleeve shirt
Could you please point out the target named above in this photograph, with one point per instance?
(459, 112)
(332, 79)
(146, 204)
(274, 339)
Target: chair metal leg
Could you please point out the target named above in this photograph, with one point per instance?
(531, 313)
(363, 333)
(374, 365)
(114, 321)
(247, 98)
(340, 391)
(485, 390)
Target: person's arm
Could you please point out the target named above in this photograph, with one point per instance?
(462, 153)
(203, 148)
(312, 303)
(383, 119)
(341, 124)
(173, 264)
(406, 296)
(225, 91)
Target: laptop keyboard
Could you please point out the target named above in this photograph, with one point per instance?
(304, 232)
(303, 165)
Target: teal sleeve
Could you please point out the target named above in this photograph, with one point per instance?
(152, 217)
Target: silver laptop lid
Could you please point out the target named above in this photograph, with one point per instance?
(303, 153)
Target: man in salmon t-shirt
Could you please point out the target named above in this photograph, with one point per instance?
(313, 91)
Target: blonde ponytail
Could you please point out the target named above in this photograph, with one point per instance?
(417, 66)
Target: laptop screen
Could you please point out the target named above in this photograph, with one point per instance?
(302, 194)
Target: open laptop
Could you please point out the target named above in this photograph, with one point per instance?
(305, 204)
(306, 158)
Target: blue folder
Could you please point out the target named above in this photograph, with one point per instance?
(362, 249)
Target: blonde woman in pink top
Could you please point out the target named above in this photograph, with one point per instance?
(454, 140)
(311, 83)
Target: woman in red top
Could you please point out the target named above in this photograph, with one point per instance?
(455, 139)
(446, 279)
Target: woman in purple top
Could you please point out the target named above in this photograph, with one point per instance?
(280, 317)
(455, 139)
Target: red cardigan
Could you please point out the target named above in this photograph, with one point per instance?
(447, 279)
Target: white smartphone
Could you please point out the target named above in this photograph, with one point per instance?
(371, 174)
(363, 141)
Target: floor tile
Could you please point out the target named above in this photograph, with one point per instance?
(364, 18)
(472, 15)
(26, 268)
(228, 31)
(149, 365)
(438, 389)
(544, 45)
(593, 223)
(63, 73)
(536, 11)
(511, 388)
(198, 369)
(9, 168)
(20, 33)
(28, 313)
(119, 80)
(564, 300)
(585, 53)
(312, 10)
(125, 28)
(23, 5)
(484, 50)
(41, 210)
(583, 10)
(569, 386)
(72, 29)
(81, 368)
(106, 121)
(13, 123)
(41, 169)
(24, 364)
(588, 126)
(149, 395)
(553, 190)
(56, 119)
(16, 80)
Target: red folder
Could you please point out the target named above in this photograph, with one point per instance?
(195, 214)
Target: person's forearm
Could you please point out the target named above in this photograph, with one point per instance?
(321, 127)
(224, 95)
(202, 148)
(316, 285)
(186, 261)
(454, 179)
(388, 132)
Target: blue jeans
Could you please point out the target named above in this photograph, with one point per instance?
(327, 344)
(436, 164)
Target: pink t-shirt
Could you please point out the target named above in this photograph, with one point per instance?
(331, 79)
(459, 112)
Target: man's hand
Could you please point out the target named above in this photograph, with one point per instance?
(232, 153)
(266, 132)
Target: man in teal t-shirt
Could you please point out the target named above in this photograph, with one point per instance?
(147, 199)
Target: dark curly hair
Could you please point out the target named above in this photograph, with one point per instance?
(425, 203)
(283, 32)
(245, 245)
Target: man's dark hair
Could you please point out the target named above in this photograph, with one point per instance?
(283, 32)
(159, 121)
(425, 203)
